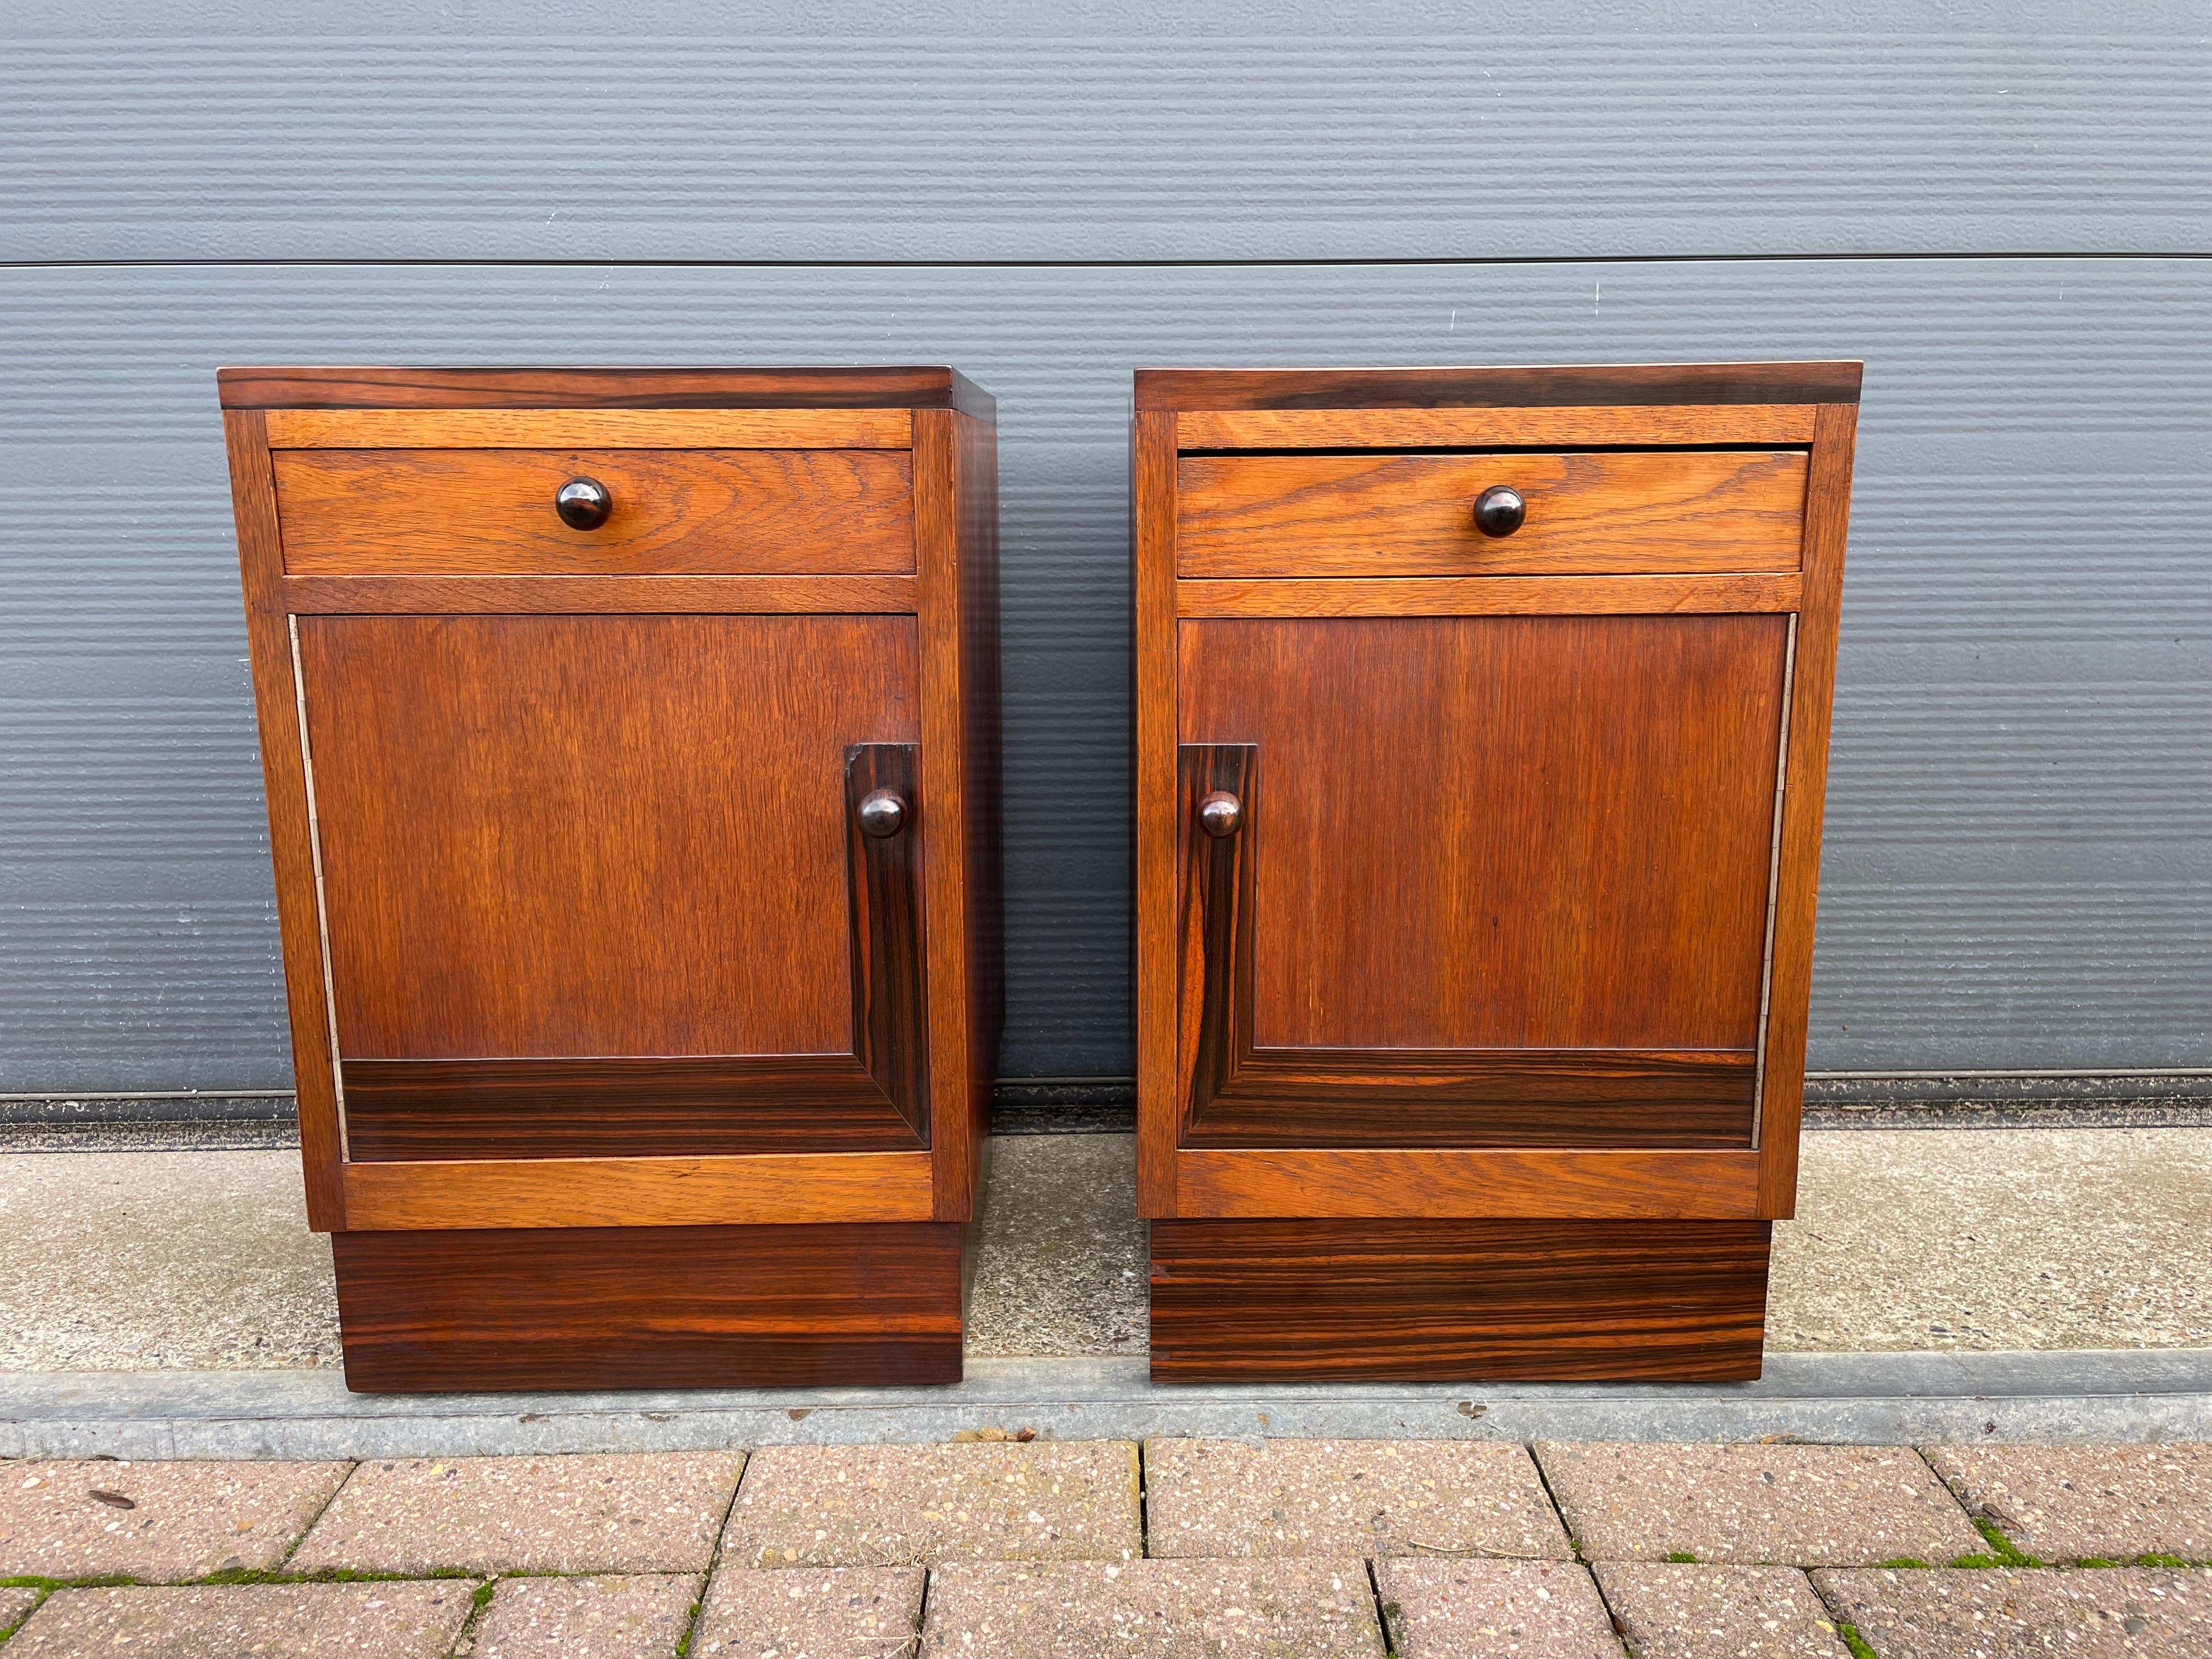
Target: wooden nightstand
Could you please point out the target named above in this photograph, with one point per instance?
(631, 740)
(1481, 733)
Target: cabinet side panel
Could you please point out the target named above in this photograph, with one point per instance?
(945, 795)
(978, 491)
(277, 709)
(1827, 514)
(1153, 508)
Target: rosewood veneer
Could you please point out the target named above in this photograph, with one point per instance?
(1481, 735)
(631, 739)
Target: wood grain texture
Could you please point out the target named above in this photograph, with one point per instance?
(568, 387)
(884, 877)
(1152, 510)
(637, 825)
(484, 512)
(1804, 798)
(1591, 513)
(650, 1308)
(1239, 1094)
(1549, 1097)
(1486, 596)
(1549, 832)
(976, 492)
(874, 1097)
(723, 430)
(1466, 1182)
(1368, 1301)
(410, 596)
(1535, 386)
(640, 1191)
(1643, 425)
(630, 1106)
(291, 829)
(1213, 925)
(944, 779)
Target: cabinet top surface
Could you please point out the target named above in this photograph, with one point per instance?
(1498, 387)
(583, 386)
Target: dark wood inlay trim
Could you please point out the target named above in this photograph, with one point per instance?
(1427, 1300)
(883, 878)
(619, 1106)
(683, 1307)
(1524, 1097)
(583, 386)
(1240, 1095)
(1503, 388)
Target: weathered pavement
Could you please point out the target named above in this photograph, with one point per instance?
(2010, 1240)
(1224, 1548)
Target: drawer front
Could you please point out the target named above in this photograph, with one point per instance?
(490, 511)
(1592, 513)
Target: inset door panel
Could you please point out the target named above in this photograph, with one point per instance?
(1492, 880)
(599, 885)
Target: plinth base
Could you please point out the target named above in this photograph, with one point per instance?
(810, 1306)
(1437, 1301)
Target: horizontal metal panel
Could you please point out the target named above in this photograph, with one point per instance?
(1298, 130)
(2018, 868)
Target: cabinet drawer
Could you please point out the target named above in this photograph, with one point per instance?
(490, 511)
(1588, 513)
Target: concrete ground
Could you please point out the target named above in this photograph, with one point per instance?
(1230, 1549)
(197, 1257)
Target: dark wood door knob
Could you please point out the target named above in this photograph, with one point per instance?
(1499, 510)
(1220, 814)
(583, 503)
(883, 814)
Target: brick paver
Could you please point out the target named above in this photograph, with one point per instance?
(1339, 1497)
(811, 1612)
(1439, 1609)
(2112, 1503)
(14, 1604)
(298, 1621)
(1784, 1505)
(917, 1506)
(2096, 1614)
(622, 1513)
(1719, 1613)
(1309, 1609)
(155, 1520)
(642, 1617)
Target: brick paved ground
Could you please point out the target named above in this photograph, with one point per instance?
(1107, 1550)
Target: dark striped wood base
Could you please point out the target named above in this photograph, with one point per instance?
(1440, 1301)
(650, 1307)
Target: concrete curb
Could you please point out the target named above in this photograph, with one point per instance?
(1840, 1398)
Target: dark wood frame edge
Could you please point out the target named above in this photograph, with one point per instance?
(602, 386)
(1533, 386)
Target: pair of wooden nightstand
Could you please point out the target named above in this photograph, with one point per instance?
(631, 739)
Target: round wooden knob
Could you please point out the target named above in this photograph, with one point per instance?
(583, 503)
(1499, 510)
(1220, 814)
(883, 814)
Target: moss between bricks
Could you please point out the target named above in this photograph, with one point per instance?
(1856, 1643)
(2008, 1554)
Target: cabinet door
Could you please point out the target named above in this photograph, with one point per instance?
(600, 886)
(1489, 881)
